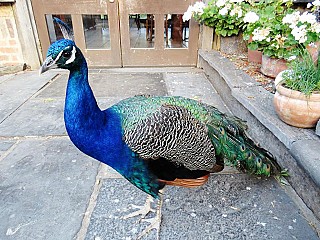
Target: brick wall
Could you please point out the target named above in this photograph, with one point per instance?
(10, 49)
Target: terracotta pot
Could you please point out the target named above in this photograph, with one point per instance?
(272, 66)
(314, 50)
(254, 55)
(295, 108)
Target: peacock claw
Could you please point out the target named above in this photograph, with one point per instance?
(154, 223)
(143, 210)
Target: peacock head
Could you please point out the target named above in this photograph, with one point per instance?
(62, 54)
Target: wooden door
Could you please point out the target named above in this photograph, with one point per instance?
(95, 24)
(114, 33)
(168, 40)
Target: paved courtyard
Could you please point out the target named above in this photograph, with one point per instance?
(50, 190)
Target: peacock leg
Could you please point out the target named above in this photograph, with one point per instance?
(143, 210)
(154, 223)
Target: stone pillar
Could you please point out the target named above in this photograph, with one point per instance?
(27, 32)
(10, 49)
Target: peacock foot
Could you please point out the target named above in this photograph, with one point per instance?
(154, 222)
(143, 210)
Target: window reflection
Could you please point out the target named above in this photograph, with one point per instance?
(96, 31)
(142, 29)
(176, 32)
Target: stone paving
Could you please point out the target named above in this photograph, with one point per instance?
(50, 190)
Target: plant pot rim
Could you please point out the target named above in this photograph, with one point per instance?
(293, 93)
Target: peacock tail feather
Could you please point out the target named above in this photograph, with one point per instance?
(240, 152)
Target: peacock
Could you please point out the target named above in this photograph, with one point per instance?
(153, 141)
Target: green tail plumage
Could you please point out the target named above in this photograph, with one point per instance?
(237, 150)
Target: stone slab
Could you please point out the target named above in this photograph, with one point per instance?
(260, 103)
(45, 186)
(5, 145)
(41, 117)
(36, 118)
(112, 84)
(227, 207)
(193, 85)
(227, 70)
(307, 153)
(17, 89)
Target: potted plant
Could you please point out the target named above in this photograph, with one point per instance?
(297, 97)
(226, 17)
(279, 33)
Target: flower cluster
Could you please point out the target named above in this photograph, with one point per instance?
(280, 31)
(314, 5)
(226, 16)
(272, 26)
(302, 25)
(193, 10)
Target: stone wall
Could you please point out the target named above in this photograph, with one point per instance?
(10, 49)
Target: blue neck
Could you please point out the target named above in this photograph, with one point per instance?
(96, 133)
(81, 109)
(80, 105)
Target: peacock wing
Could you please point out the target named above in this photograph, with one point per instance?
(173, 133)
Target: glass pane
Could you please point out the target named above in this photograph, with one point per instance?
(141, 27)
(176, 32)
(96, 31)
(54, 29)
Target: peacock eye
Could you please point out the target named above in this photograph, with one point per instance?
(66, 54)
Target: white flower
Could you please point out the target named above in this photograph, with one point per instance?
(315, 27)
(312, 44)
(220, 3)
(237, 1)
(240, 13)
(316, 3)
(232, 12)
(198, 8)
(307, 17)
(291, 19)
(260, 34)
(236, 10)
(300, 33)
(292, 58)
(251, 17)
(188, 14)
(223, 11)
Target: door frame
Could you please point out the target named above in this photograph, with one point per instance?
(118, 11)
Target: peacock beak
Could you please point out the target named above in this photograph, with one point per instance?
(49, 63)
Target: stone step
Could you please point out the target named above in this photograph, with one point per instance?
(294, 148)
